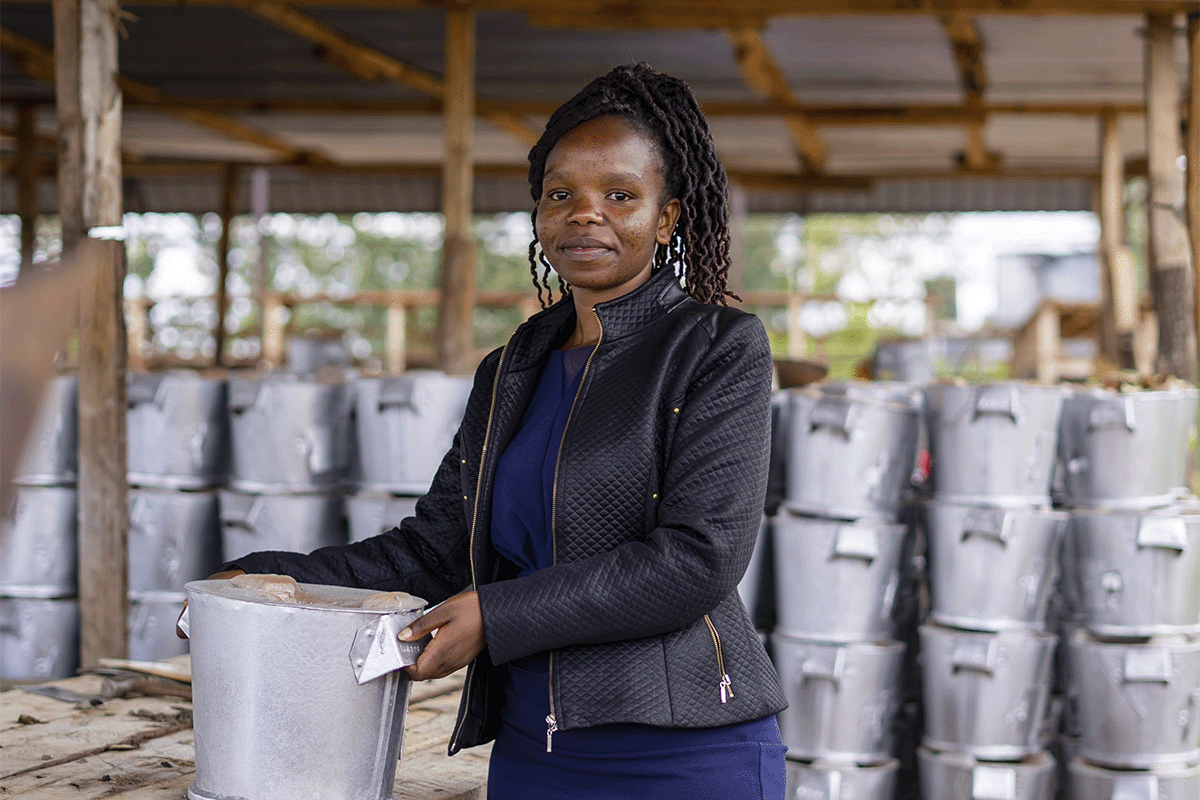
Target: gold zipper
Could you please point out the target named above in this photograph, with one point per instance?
(487, 433)
(551, 720)
(726, 685)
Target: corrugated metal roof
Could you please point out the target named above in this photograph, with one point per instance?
(212, 51)
(308, 193)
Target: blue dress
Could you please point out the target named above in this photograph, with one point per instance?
(736, 762)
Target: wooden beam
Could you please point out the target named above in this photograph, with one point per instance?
(89, 190)
(37, 61)
(1118, 283)
(456, 348)
(1192, 148)
(967, 46)
(368, 63)
(229, 193)
(823, 114)
(763, 75)
(1171, 275)
(27, 181)
(680, 14)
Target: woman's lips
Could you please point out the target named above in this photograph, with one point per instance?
(584, 249)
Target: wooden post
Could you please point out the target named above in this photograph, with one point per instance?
(229, 187)
(1118, 287)
(274, 330)
(1192, 148)
(27, 180)
(796, 341)
(89, 190)
(456, 350)
(137, 319)
(397, 343)
(1171, 274)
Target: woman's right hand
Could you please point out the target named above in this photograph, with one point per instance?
(216, 576)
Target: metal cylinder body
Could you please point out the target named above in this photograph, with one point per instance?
(372, 513)
(986, 694)
(289, 435)
(1138, 704)
(278, 712)
(842, 698)
(1106, 438)
(178, 430)
(835, 780)
(992, 569)
(39, 633)
(1093, 782)
(298, 523)
(993, 444)
(1134, 573)
(152, 617)
(50, 456)
(404, 426)
(174, 537)
(958, 776)
(851, 449)
(38, 544)
(836, 581)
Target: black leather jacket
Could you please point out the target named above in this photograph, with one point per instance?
(657, 501)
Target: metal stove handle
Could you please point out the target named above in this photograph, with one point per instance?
(833, 412)
(1115, 412)
(377, 649)
(974, 656)
(998, 399)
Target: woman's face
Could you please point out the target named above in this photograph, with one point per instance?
(602, 210)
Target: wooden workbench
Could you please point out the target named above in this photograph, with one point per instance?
(141, 748)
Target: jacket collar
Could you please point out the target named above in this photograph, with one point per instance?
(620, 317)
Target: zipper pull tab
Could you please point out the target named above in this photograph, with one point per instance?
(726, 688)
(551, 727)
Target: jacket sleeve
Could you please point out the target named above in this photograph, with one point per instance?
(710, 506)
(428, 555)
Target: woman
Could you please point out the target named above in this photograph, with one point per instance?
(601, 498)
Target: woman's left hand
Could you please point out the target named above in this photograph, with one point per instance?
(459, 626)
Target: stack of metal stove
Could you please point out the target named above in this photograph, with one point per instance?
(403, 428)
(993, 540)
(292, 451)
(838, 555)
(39, 606)
(1131, 592)
(178, 456)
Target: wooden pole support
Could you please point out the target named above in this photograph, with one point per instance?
(1118, 311)
(103, 492)
(229, 187)
(1169, 253)
(796, 344)
(397, 341)
(27, 180)
(274, 336)
(1192, 147)
(456, 348)
(88, 105)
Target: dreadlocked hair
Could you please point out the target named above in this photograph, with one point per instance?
(665, 110)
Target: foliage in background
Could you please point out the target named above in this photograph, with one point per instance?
(172, 261)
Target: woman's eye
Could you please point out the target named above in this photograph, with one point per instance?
(556, 194)
(620, 196)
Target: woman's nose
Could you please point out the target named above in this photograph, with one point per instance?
(584, 210)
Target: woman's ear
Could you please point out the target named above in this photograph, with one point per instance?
(667, 217)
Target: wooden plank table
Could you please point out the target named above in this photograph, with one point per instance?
(142, 748)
